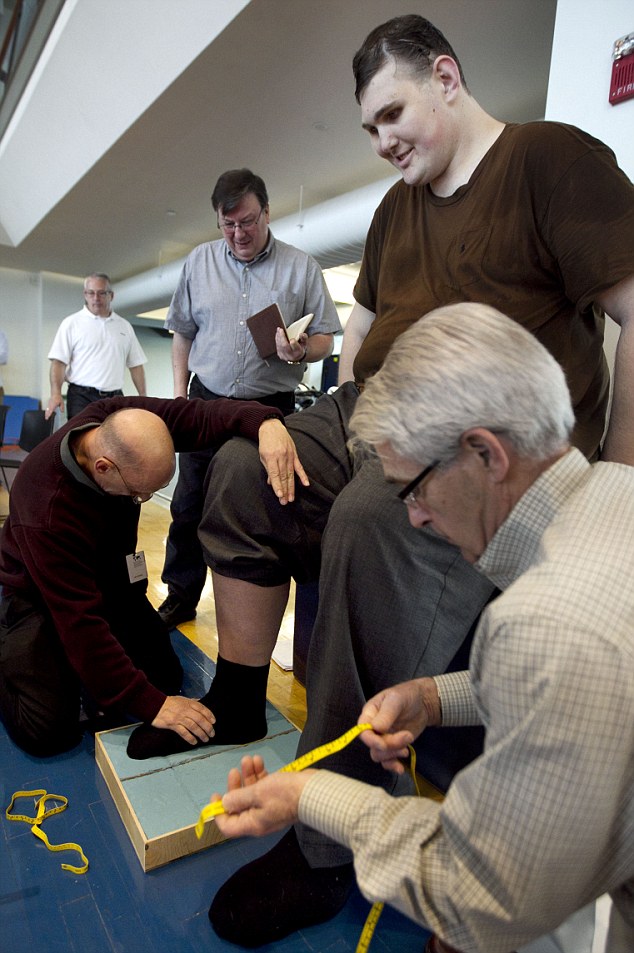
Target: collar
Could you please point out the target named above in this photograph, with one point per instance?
(69, 461)
(97, 317)
(266, 251)
(515, 545)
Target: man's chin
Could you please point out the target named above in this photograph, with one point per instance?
(412, 174)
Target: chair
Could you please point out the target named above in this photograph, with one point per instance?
(17, 403)
(35, 428)
(4, 410)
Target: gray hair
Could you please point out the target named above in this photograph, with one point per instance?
(101, 276)
(463, 366)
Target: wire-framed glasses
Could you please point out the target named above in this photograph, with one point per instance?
(246, 225)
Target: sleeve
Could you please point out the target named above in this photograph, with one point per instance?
(215, 421)
(179, 316)
(524, 836)
(366, 286)
(588, 220)
(62, 346)
(195, 424)
(64, 561)
(136, 354)
(457, 703)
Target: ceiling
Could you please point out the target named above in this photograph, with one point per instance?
(273, 92)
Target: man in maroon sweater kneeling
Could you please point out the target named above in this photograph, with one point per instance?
(75, 621)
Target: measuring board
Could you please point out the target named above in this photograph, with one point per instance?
(159, 800)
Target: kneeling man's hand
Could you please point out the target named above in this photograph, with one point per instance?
(187, 717)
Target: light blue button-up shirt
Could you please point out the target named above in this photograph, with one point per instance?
(215, 295)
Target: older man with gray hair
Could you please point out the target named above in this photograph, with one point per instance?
(471, 417)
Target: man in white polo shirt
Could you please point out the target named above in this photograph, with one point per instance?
(91, 350)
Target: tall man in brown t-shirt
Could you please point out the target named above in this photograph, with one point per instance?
(537, 221)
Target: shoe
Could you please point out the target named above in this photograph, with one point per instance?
(173, 611)
(278, 894)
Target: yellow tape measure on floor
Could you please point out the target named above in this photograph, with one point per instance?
(305, 761)
(40, 817)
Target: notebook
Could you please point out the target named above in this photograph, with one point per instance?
(265, 323)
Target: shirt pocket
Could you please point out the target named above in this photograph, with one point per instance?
(289, 303)
(466, 254)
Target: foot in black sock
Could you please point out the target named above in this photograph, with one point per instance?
(237, 698)
(278, 894)
(147, 742)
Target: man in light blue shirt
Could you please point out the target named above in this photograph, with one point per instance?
(223, 283)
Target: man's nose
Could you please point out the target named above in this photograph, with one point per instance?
(418, 515)
(386, 142)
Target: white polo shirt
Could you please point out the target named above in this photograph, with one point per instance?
(96, 351)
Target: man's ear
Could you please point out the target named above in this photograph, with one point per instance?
(488, 450)
(445, 69)
(102, 465)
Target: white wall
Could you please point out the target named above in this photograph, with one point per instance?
(579, 83)
(20, 308)
(31, 308)
(60, 295)
(158, 370)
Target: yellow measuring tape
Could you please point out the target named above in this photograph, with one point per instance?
(331, 747)
(41, 816)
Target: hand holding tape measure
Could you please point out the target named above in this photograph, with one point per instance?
(273, 811)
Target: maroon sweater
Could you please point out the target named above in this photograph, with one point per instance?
(65, 542)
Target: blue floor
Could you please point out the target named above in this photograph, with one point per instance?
(115, 907)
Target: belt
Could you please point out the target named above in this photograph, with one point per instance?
(95, 390)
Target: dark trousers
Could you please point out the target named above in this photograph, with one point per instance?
(78, 397)
(184, 571)
(40, 694)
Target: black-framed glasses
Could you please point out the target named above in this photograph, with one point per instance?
(246, 225)
(408, 493)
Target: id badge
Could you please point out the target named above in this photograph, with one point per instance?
(137, 570)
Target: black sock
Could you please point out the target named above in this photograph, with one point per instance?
(237, 697)
(278, 894)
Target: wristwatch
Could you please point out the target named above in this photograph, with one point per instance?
(302, 358)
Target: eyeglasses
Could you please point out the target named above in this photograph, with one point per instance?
(97, 294)
(246, 225)
(137, 498)
(409, 494)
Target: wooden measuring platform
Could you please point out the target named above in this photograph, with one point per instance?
(159, 800)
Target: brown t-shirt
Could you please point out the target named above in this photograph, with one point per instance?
(545, 223)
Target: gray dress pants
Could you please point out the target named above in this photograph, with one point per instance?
(394, 602)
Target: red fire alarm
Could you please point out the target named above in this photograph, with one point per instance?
(622, 85)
